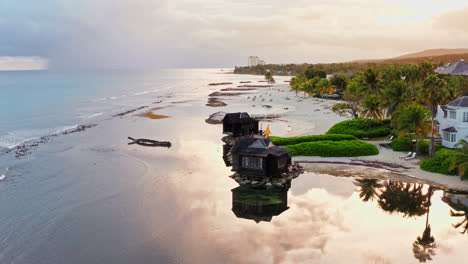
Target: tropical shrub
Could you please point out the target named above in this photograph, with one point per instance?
(423, 147)
(401, 144)
(441, 162)
(344, 148)
(283, 141)
(362, 128)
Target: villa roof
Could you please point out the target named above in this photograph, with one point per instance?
(450, 130)
(459, 68)
(258, 147)
(460, 102)
(238, 117)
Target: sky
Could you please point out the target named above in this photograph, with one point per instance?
(147, 34)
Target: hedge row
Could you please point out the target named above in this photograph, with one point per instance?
(283, 141)
(402, 144)
(440, 163)
(345, 148)
(362, 128)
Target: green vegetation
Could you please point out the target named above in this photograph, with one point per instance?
(362, 128)
(282, 141)
(441, 162)
(406, 94)
(345, 148)
(269, 78)
(460, 160)
(423, 147)
(402, 144)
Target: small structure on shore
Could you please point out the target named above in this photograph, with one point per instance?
(239, 124)
(258, 157)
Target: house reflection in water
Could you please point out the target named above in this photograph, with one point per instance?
(227, 156)
(459, 203)
(259, 204)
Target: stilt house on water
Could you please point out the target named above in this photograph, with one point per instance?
(239, 124)
(258, 157)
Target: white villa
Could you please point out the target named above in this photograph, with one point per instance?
(452, 120)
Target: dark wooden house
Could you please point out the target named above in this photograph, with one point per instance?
(258, 157)
(239, 124)
(259, 204)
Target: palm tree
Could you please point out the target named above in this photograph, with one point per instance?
(433, 94)
(413, 119)
(371, 80)
(368, 188)
(371, 107)
(460, 161)
(394, 95)
(296, 82)
(269, 78)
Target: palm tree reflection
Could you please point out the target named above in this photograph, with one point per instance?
(424, 246)
(368, 188)
(408, 199)
(405, 198)
(459, 204)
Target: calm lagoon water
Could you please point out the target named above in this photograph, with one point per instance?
(91, 198)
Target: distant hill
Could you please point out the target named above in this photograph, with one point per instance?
(435, 55)
(432, 53)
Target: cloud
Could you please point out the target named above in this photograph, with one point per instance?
(22, 63)
(196, 33)
(454, 21)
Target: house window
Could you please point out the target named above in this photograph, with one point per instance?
(450, 137)
(453, 137)
(252, 162)
(465, 117)
(453, 115)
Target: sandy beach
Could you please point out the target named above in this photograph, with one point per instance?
(302, 116)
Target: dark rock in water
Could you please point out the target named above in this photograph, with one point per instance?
(215, 102)
(130, 111)
(222, 83)
(237, 89)
(79, 128)
(253, 86)
(216, 118)
(225, 94)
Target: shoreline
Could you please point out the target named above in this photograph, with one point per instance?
(313, 116)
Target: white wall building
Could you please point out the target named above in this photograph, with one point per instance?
(453, 121)
(253, 61)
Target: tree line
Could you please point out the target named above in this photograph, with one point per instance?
(408, 95)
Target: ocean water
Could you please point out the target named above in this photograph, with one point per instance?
(40, 103)
(92, 198)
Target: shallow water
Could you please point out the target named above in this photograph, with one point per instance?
(91, 198)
